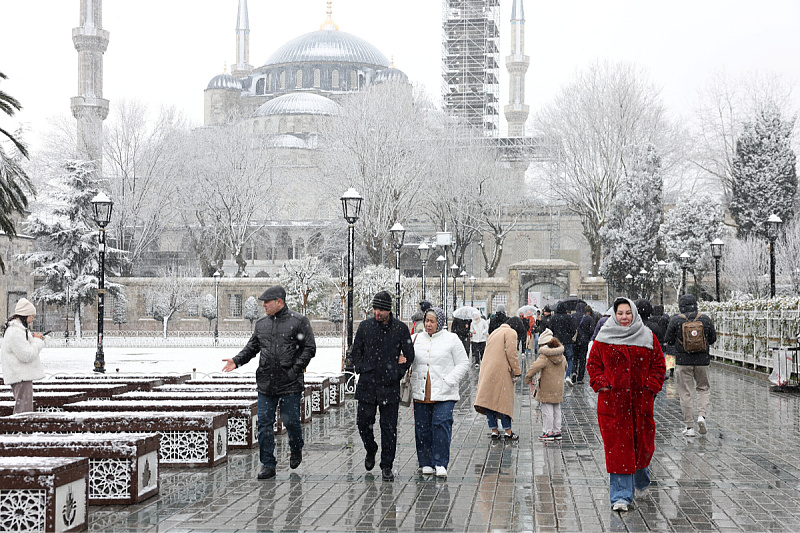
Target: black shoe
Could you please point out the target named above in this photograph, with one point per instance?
(296, 459)
(267, 472)
(387, 474)
(369, 461)
(574, 377)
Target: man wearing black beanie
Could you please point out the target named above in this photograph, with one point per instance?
(382, 352)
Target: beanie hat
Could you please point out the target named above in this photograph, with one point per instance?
(382, 300)
(273, 293)
(501, 308)
(545, 337)
(24, 308)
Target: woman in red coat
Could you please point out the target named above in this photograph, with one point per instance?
(626, 368)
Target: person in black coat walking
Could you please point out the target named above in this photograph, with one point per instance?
(382, 352)
(285, 344)
(691, 368)
(585, 330)
(460, 327)
(563, 328)
(498, 319)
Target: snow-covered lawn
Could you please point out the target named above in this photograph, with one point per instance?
(167, 360)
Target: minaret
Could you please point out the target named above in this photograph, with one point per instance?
(89, 107)
(242, 67)
(517, 64)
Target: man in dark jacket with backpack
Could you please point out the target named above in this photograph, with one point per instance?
(691, 333)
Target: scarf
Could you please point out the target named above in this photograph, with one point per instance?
(637, 334)
(441, 318)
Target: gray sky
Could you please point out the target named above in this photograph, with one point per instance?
(166, 51)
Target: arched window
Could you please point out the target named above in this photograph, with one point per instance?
(269, 82)
(316, 77)
(298, 80)
(260, 86)
(283, 79)
(353, 80)
(335, 78)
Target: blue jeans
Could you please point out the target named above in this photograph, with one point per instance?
(536, 343)
(622, 485)
(492, 416)
(433, 428)
(568, 353)
(290, 415)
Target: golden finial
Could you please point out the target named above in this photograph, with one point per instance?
(225, 67)
(391, 65)
(329, 24)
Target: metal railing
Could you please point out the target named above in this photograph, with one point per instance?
(177, 339)
(747, 337)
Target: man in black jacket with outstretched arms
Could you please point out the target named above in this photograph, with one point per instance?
(285, 344)
(382, 352)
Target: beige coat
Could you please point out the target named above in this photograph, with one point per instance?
(500, 362)
(553, 366)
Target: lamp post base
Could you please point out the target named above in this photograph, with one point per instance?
(99, 362)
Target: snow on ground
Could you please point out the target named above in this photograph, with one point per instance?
(168, 360)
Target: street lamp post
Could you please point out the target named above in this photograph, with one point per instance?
(423, 250)
(684, 258)
(643, 273)
(662, 268)
(67, 283)
(217, 275)
(463, 275)
(102, 206)
(628, 284)
(454, 272)
(716, 253)
(472, 290)
(440, 267)
(351, 209)
(773, 223)
(398, 234)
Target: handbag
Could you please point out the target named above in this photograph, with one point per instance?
(405, 384)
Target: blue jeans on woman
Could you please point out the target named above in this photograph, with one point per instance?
(492, 416)
(569, 351)
(433, 428)
(622, 485)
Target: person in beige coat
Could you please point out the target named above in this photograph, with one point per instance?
(550, 392)
(499, 372)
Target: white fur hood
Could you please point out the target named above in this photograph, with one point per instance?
(20, 356)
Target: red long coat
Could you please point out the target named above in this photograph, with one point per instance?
(625, 413)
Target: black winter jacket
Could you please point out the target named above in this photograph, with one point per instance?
(687, 304)
(562, 325)
(376, 349)
(286, 345)
(585, 330)
(496, 321)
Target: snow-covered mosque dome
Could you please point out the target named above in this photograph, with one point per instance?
(298, 104)
(390, 74)
(328, 46)
(224, 81)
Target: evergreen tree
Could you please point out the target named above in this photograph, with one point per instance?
(690, 226)
(251, 310)
(630, 237)
(335, 311)
(764, 177)
(305, 281)
(209, 308)
(120, 314)
(68, 241)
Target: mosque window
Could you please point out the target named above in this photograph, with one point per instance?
(283, 79)
(298, 79)
(235, 306)
(353, 80)
(316, 77)
(335, 78)
(269, 82)
(260, 86)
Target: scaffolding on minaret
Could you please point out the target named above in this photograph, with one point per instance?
(471, 62)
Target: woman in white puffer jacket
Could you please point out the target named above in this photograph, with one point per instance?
(19, 355)
(440, 362)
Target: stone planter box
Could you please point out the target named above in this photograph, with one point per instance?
(338, 383)
(320, 393)
(307, 409)
(133, 384)
(96, 391)
(223, 381)
(123, 467)
(208, 388)
(44, 494)
(242, 414)
(187, 438)
(43, 401)
(167, 379)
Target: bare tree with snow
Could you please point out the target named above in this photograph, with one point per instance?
(305, 281)
(172, 293)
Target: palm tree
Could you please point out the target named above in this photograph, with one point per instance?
(15, 184)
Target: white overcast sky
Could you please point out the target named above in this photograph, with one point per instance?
(166, 51)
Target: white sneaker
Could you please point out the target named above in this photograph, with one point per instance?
(621, 506)
(701, 424)
(428, 470)
(689, 432)
(568, 382)
(441, 471)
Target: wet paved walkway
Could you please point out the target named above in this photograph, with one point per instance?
(744, 475)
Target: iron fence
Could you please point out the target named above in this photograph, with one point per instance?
(747, 337)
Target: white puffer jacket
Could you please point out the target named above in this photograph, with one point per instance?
(444, 357)
(20, 356)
